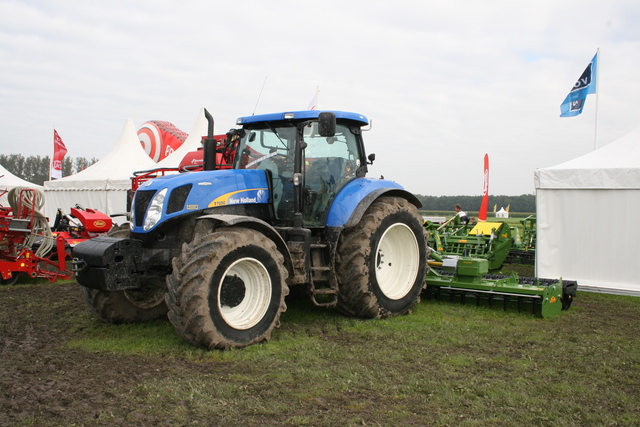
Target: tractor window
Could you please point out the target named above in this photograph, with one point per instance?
(330, 162)
(261, 145)
(271, 149)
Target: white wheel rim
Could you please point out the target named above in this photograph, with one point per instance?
(397, 261)
(252, 296)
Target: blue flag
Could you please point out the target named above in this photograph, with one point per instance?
(586, 84)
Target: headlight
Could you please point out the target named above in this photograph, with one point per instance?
(154, 211)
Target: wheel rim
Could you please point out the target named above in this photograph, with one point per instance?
(244, 294)
(397, 261)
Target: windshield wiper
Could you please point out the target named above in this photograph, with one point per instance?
(275, 132)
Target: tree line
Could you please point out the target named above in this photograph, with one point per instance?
(35, 169)
(522, 203)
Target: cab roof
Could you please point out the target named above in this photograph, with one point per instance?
(301, 115)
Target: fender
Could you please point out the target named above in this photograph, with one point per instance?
(352, 201)
(247, 222)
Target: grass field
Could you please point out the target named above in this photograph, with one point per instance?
(443, 365)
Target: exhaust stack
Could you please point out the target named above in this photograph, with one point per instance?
(209, 144)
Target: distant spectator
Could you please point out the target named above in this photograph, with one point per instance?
(461, 215)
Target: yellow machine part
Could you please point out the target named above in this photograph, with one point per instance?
(484, 228)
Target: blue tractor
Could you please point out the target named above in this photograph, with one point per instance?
(218, 250)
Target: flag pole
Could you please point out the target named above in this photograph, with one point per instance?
(52, 155)
(595, 139)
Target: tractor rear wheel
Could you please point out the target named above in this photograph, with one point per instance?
(130, 306)
(227, 289)
(382, 261)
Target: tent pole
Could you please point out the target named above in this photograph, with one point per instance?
(595, 139)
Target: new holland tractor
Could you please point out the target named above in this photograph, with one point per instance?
(219, 249)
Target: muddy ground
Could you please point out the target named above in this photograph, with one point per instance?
(43, 381)
(40, 379)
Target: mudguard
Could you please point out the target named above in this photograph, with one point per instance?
(353, 200)
(249, 222)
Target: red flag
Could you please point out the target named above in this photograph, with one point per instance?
(484, 205)
(59, 151)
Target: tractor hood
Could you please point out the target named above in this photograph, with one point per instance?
(163, 198)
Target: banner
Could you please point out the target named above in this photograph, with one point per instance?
(59, 151)
(484, 205)
(586, 84)
(160, 138)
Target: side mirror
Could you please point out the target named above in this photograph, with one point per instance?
(327, 124)
(372, 158)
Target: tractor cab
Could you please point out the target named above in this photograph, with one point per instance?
(309, 156)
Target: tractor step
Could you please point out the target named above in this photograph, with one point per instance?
(323, 286)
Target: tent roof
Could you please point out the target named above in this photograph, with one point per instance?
(118, 165)
(616, 165)
(9, 180)
(192, 143)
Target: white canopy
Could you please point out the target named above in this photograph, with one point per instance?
(102, 186)
(502, 213)
(9, 181)
(586, 218)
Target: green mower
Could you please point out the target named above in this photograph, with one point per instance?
(465, 279)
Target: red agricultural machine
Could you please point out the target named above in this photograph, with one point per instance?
(29, 246)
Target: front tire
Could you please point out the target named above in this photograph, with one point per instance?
(227, 289)
(382, 261)
(130, 306)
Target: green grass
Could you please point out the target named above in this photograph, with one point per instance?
(445, 364)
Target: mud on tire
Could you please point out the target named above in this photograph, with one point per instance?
(131, 306)
(227, 289)
(381, 262)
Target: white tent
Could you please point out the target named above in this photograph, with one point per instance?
(587, 228)
(502, 213)
(9, 181)
(192, 143)
(102, 186)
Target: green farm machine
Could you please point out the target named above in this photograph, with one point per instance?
(464, 279)
(524, 243)
(465, 254)
(486, 240)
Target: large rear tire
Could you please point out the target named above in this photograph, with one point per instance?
(130, 306)
(227, 289)
(382, 261)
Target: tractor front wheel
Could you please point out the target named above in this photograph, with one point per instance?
(130, 306)
(382, 261)
(227, 289)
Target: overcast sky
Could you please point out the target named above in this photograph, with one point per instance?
(444, 82)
